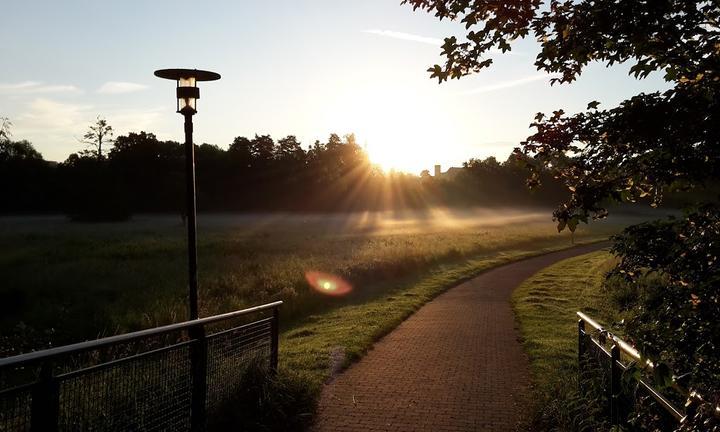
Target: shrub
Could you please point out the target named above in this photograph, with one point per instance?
(671, 274)
(267, 402)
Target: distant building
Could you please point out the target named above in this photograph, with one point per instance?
(452, 172)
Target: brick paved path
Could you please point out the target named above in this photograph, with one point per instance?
(455, 365)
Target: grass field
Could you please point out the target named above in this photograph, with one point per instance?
(545, 307)
(65, 282)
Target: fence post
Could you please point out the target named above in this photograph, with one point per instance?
(581, 353)
(615, 385)
(581, 341)
(198, 364)
(275, 330)
(45, 406)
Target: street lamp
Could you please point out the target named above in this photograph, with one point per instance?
(187, 96)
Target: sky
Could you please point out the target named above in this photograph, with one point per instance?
(289, 67)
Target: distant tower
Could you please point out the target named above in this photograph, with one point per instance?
(437, 171)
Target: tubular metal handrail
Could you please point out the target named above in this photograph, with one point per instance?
(624, 346)
(49, 353)
(692, 396)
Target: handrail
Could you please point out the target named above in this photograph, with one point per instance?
(624, 346)
(99, 343)
(628, 349)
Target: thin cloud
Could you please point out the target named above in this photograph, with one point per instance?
(422, 39)
(406, 36)
(51, 115)
(136, 119)
(511, 83)
(34, 87)
(118, 87)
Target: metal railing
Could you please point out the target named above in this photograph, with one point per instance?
(172, 377)
(614, 355)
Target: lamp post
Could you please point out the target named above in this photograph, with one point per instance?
(187, 95)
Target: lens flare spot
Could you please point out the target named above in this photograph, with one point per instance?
(327, 283)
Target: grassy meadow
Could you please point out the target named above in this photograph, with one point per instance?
(546, 305)
(64, 282)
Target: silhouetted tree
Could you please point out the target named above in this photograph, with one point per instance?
(212, 175)
(290, 171)
(98, 133)
(262, 149)
(289, 151)
(18, 150)
(26, 178)
(240, 152)
(151, 170)
(5, 126)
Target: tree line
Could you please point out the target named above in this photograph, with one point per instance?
(140, 173)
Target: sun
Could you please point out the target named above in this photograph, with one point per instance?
(407, 156)
(400, 132)
(404, 138)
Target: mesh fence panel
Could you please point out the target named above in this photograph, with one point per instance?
(15, 410)
(150, 392)
(595, 373)
(597, 355)
(230, 353)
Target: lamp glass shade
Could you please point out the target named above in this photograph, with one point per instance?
(187, 82)
(185, 103)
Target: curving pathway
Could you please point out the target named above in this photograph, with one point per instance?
(454, 365)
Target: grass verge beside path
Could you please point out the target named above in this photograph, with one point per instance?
(545, 307)
(322, 344)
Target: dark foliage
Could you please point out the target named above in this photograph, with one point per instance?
(677, 316)
(23, 174)
(90, 192)
(560, 406)
(267, 402)
(624, 154)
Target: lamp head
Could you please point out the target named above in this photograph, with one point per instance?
(187, 91)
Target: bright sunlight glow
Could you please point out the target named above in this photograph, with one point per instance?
(397, 128)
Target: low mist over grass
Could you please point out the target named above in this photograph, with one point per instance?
(65, 282)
